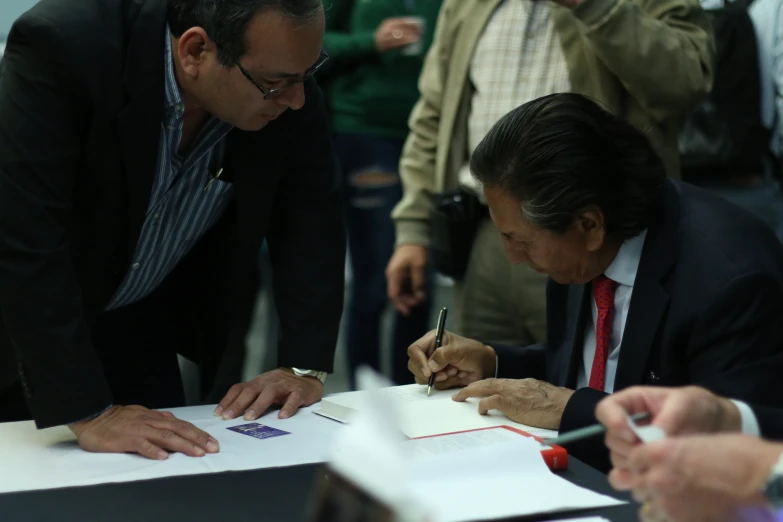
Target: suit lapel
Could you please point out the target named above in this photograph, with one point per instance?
(569, 356)
(253, 166)
(140, 120)
(650, 299)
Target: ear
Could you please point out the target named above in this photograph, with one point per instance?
(591, 224)
(191, 49)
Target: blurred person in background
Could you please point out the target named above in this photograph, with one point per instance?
(732, 141)
(707, 470)
(376, 51)
(648, 61)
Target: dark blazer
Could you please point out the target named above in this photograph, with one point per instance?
(81, 103)
(770, 421)
(705, 309)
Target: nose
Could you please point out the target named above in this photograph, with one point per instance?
(293, 97)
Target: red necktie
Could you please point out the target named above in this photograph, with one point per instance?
(603, 290)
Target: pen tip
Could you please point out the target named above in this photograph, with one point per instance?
(429, 389)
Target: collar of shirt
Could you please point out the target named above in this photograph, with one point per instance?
(626, 263)
(174, 106)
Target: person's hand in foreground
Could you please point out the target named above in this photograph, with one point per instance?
(280, 387)
(458, 362)
(150, 433)
(528, 401)
(700, 478)
(677, 411)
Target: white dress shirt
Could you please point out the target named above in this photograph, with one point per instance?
(623, 271)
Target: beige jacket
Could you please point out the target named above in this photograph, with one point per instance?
(647, 60)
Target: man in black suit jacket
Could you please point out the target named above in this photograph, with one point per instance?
(651, 282)
(147, 151)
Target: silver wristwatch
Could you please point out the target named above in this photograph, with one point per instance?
(321, 376)
(773, 491)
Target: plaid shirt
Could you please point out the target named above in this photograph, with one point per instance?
(517, 59)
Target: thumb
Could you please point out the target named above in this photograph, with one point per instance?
(672, 419)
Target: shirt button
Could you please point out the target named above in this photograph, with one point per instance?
(156, 217)
(135, 266)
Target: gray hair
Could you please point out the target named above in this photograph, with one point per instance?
(226, 21)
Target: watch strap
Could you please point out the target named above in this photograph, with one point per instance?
(321, 376)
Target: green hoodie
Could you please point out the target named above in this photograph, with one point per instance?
(371, 92)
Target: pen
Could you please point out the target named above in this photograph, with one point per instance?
(217, 176)
(438, 342)
(589, 431)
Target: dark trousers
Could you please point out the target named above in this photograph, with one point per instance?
(372, 187)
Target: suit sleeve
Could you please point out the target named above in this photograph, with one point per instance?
(660, 50)
(516, 362)
(580, 413)
(736, 344)
(417, 165)
(41, 130)
(307, 244)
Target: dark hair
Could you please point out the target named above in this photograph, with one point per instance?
(226, 21)
(562, 155)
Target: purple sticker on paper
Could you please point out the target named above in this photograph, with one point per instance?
(258, 431)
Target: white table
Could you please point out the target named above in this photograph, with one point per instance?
(33, 459)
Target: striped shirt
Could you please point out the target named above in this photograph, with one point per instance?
(517, 59)
(183, 204)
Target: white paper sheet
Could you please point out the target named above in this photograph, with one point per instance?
(31, 459)
(462, 441)
(421, 416)
(498, 481)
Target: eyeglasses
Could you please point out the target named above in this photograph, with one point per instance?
(273, 93)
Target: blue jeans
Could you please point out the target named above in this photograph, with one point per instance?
(372, 187)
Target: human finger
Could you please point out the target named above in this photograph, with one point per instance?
(228, 399)
(291, 406)
(419, 353)
(621, 479)
(493, 402)
(189, 432)
(261, 402)
(481, 389)
(170, 440)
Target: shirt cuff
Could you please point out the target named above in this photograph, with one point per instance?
(750, 425)
(93, 416)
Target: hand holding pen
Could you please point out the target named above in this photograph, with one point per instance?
(454, 362)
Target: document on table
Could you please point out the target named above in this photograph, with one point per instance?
(495, 481)
(421, 416)
(33, 459)
(463, 441)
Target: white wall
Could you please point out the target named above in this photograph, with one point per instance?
(10, 11)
